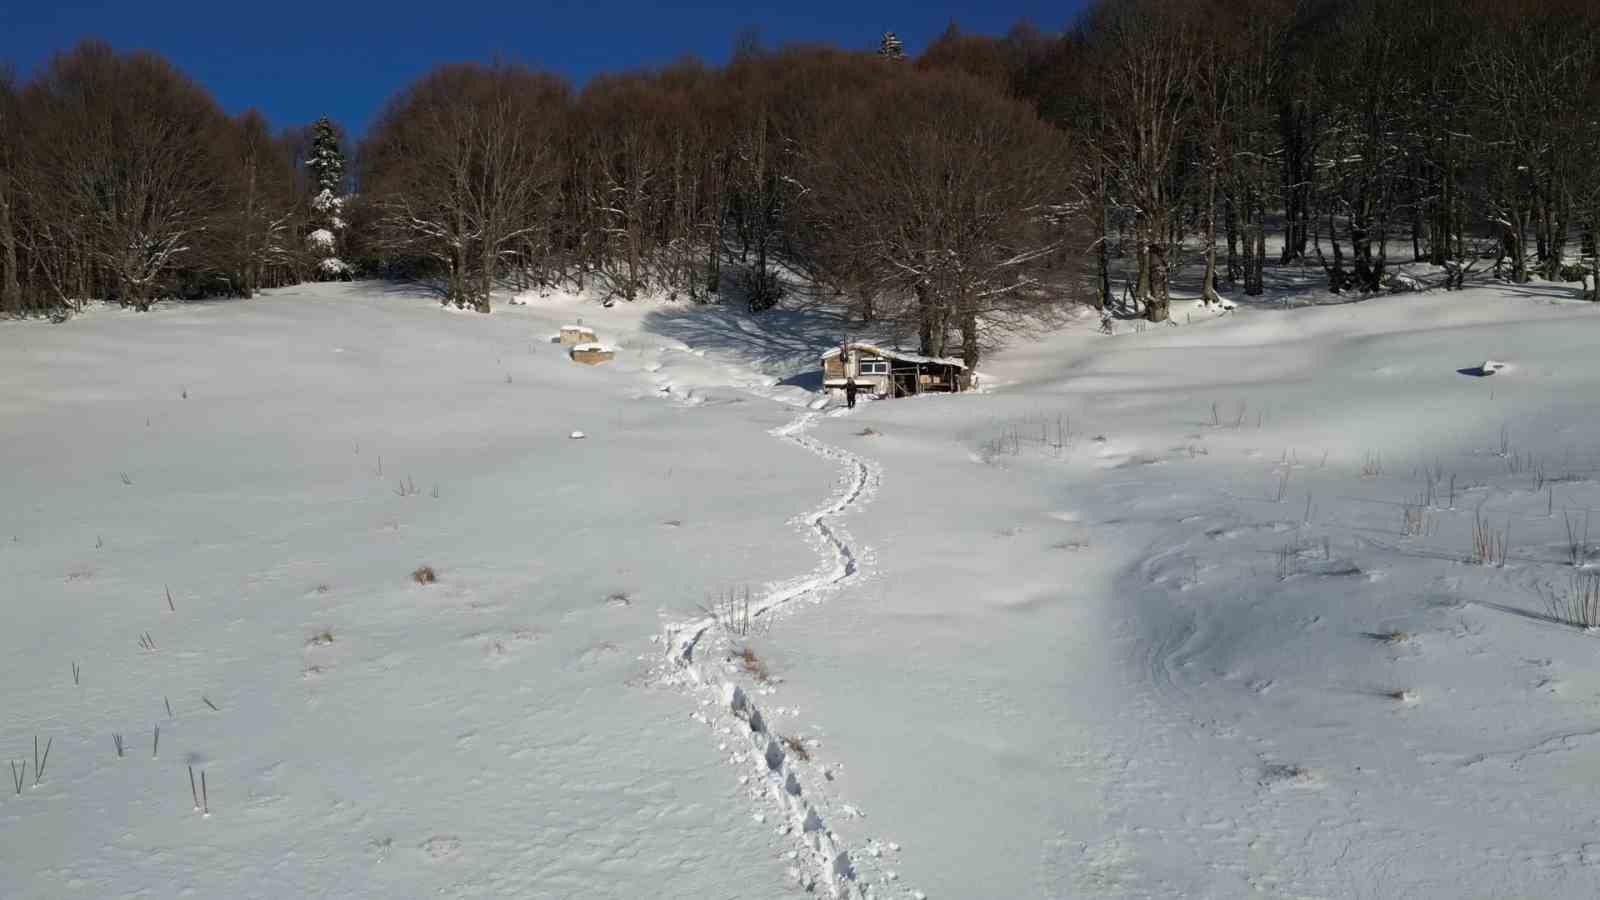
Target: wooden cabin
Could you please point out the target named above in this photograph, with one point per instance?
(592, 354)
(892, 373)
(577, 334)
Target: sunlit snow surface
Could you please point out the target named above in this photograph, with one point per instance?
(1183, 611)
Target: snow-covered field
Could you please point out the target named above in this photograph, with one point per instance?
(1187, 612)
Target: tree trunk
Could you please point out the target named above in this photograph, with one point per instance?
(714, 259)
(1541, 231)
(969, 340)
(1157, 302)
(10, 288)
(1258, 280)
(1141, 293)
(1296, 187)
(1592, 229)
(1439, 225)
(1158, 309)
(247, 276)
(481, 302)
(1518, 247)
(758, 284)
(1557, 244)
(925, 319)
(1336, 275)
(1102, 260)
(1208, 286)
(1230, 219)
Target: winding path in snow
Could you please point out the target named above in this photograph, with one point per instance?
(821, 861)
(860, 478)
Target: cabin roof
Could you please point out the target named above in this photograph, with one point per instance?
(897, 354)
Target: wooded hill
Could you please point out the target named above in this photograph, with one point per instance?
(971, 190)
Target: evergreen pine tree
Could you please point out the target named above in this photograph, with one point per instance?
(327, 161)
(327, 164)
(889, 47)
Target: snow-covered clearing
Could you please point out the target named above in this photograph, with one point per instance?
(1192, 611)
(495, 732)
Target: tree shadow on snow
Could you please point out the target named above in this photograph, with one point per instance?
(808, 381)
(419, 288)
(779, 341)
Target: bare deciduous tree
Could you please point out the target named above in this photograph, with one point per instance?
(462, 167)
(946, 213)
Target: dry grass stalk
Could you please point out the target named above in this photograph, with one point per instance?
(1283, 486)
(795, 747)
(732, 611)
(752, 665)
(1577, 547)
(1489, 546)
(424, 575)
(1580, 604)
(1414, 518)
(1372, 467)
(1288, 560)
(39, 762)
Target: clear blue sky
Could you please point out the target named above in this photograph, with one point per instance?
(296, 60)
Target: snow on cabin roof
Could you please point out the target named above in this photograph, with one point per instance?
(899, 354)
(577, 328)
(593, 348)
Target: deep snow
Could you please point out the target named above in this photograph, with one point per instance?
(493, 733)
(1178, 612)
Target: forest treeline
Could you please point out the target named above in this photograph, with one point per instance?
(955, 196)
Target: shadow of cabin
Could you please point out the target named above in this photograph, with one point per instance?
(891, 373)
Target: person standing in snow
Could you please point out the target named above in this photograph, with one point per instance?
(850, 392)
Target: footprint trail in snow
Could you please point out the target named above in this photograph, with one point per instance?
(819, 859)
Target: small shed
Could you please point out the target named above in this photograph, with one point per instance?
(892, 373)
(592, 354)
(577, 334)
